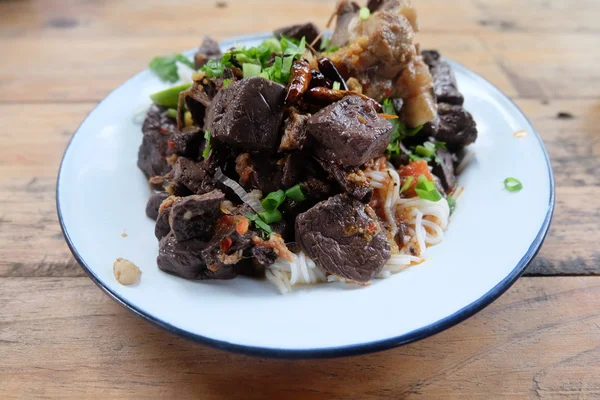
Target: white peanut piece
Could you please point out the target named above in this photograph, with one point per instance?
(126, 272)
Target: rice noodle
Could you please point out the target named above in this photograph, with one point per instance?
(302, 270)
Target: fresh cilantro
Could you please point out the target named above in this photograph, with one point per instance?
(399, 130)
(226, 82)
(265, 229)
(166, 67)
(213, 68)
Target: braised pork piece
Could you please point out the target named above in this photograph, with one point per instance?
(272, 154)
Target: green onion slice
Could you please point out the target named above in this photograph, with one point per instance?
(273, 200)
(295, 193)
(336, 86)
(427, 190)
(364, 13)
(270, 216)
(260, 224)
(512, 184)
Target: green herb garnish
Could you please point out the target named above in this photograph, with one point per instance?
(406, 185)
(251, 70)
(336, 86)
(399, 130)
(166, 67)
(512, 184)
(295, 193)
(226, 82)
(213, 68)
(427, 151)
(326, 48)
(206, 151)
(169, 97)
(260, 224)
(270, 216)
(273, 200)
(427, 190)
(364, 13)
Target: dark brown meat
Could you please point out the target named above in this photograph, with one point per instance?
(247, 114)
(195, 217)
(264, 255)
(197, 100)
(153, 153)
(294, 132)
(269, 174)
(444, 82)
(349, 132)
(323, 96)
(352, 181)
(154, 202)
(185, 259)
(455, 126)
(445, 170)
(209, 50)
(188, 142)
(308, 31)
(162, 227)
(190, 177)
(346, 12)
(343, 237)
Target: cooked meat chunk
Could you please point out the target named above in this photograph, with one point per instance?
(269, 174)
(188, 142)
(209, 50)
(294, 132)
(154, 202)
(190, 177)
(153, 153)
(343, 237)
(444, 82)
(247, 114)
(185, 259)
(353, 181)
(264, 255)
(308, 30)
(381, 54)
(349, 132)
(445, 170)
(455, 126)
(195, 217)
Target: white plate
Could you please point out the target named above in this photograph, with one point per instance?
(491, 238)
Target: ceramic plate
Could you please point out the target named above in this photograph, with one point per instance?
(492, 236)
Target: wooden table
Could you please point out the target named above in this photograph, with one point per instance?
(60, 336)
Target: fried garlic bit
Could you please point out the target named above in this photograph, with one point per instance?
(126, 272)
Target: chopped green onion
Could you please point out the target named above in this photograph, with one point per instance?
(409, 180)
(251, 70)
(166, 67)
(226, 82)
(424, 151)
(336, 85)
(295, 193)
(171, 113)
(451, 204)
(273, 200)
(260, 224)
(512, 184)
(270, 216)
(399, 130)
(364, 13)
(206, 151)
(427, 190)
(169, 97)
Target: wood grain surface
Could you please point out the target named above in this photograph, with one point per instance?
(60, 336)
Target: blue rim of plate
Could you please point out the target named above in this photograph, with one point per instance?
(341, 351)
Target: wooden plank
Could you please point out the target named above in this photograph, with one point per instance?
(30, 153)
(540, 340)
